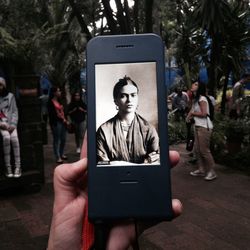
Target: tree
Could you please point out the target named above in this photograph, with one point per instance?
(213, 22)
(63, 42)
(190, 42)
(148, 16)
(47, 39)
(82, 23)
(120, 21)
(236, 40)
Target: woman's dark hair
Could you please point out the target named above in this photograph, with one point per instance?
(74, 93)
(193, 80)
(121, 83)
(5, 90)
(53, 91)
(201, 91)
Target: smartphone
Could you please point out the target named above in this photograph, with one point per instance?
(128, 161)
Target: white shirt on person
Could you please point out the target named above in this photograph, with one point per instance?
(204, 122)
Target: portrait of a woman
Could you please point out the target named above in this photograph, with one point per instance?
(127, 137)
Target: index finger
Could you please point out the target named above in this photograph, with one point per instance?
(174, 158)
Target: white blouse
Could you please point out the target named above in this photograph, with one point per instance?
(202, 121)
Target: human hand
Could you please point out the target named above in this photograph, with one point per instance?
(3, 126)
(81, 109)
(190, 117)
(66, 122)
(69, 205)
(187, 119)
(70, 202)
(11, 128)
(153, 157)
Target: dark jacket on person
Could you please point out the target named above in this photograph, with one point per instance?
(53, 118)
(77, 115)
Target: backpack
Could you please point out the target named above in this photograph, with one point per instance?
(211, 109)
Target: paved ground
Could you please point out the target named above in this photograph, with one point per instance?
(25, 214)
(216, 214)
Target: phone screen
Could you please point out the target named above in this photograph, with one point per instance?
(126, 114)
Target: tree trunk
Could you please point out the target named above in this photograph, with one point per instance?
(136, 14)
(178, 12)
(102, 27)
(109, 16)
(80, 19)
(224, 93)
(187, 74)
(120, 17)
(212, 67)
(127, 16)
(93, 17)
(148, 16)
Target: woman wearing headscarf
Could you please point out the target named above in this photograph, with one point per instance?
(8, 130)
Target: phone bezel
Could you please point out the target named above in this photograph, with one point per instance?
(108, 198)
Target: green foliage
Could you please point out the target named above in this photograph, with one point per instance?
(8, 45)
(227, 131)
(42, 36)
(235, 130)
(236, 39)
(238, 161)
(224, 129)
(213, 20)
(218, 140)
(177, 131)
(50, 34)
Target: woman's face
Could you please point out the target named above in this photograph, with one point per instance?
(58, 93)
(194, 87)
(127, 99)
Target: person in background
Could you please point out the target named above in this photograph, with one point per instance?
(44, 105)
(203, 131)
(172, 95)
(180, 102)
(237, 95)
(190, 125)
(77, 110)
(8, 130)
(58, 123)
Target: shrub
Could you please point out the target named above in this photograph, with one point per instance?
(231, 131)
(177, 131)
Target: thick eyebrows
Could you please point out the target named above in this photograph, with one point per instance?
(129, 93)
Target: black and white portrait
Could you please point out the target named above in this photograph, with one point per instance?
(126, 114)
